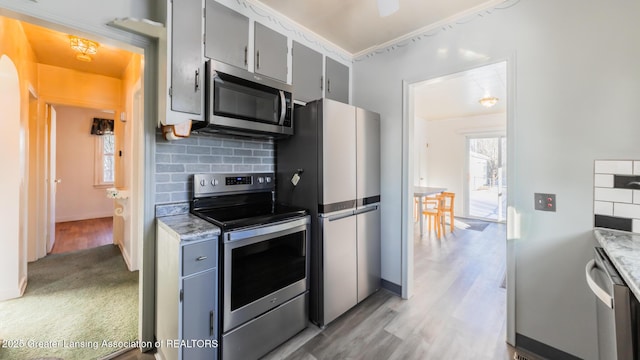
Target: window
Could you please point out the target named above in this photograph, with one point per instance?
(105, 160)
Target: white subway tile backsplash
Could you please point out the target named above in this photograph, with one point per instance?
(603, 208)
(621, 167)
(602, 180)
(636, 196)
(636, 226)
(631, 211)
(615, 195)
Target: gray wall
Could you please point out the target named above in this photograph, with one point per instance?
(577, 82)
(177, 160)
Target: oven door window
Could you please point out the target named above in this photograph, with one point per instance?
(241, 99)
(261, 268)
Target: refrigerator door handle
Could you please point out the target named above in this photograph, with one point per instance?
(340, 216)
(600, 293)
(366, 209)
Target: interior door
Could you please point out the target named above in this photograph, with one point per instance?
(53, 181)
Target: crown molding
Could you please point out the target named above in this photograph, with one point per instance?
(429, 31)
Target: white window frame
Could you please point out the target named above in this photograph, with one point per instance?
(99, 180)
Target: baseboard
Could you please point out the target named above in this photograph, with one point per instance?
(23, 285)
(117, 353)
(540, 350)
(126, 257)
(79, 217)
(393, 287)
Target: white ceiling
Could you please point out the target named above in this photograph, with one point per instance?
(355, 26)
(457, 95)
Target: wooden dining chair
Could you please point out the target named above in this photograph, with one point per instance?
(432, 209)
(447, 207)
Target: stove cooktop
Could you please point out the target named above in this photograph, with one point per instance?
(240, 216)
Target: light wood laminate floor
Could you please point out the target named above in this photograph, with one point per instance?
(456, 312)
(83, 234)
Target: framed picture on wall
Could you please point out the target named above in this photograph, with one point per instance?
(102, 126)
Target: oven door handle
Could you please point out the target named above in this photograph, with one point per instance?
(600, 293)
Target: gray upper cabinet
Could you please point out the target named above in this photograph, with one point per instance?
(227, 35)
(337, 81)
(270, 53)
(187, 64)
(307, 78)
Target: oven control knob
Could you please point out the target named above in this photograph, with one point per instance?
(268, 179)
(260, 180)
(214, 182)
(203, 182)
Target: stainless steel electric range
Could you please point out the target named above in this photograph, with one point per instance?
(264, 260)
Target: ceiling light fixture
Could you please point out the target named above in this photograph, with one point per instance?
(388, 7)
(488, 101)
(84, 48)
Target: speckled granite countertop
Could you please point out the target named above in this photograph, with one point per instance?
(623, 249)
(189, 227)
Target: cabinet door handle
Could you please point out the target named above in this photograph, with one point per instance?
(328, 85)
(197, 83)
(258, 59)
(211, 322)
(321, 82)
(246, 61)
(200, 258)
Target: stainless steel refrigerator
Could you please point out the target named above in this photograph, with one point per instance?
(331, 166)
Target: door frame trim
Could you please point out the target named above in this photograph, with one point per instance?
(406, 231)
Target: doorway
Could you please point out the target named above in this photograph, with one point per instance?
(63, 92)
(441, 107)
(486, 177)
(84, 169)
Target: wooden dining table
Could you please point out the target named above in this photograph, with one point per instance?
(420, 192)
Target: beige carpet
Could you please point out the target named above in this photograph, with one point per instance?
(80, 305)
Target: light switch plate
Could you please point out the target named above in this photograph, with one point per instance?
(545, 202)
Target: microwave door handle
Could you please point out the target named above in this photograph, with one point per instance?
(283, 107)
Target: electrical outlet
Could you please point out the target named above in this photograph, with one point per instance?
(545, 202)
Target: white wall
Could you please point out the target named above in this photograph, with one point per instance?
(446, 154)
(11, 181)
(577, 82)
(77, 198)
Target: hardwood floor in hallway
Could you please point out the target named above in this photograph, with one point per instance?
(83, 234)
(457, 311)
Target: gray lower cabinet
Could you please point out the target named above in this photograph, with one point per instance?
(186, 83)
(186, 298)
(270, 53)
(306, 72)
(227, 35)
(199, 314)
(337, 81)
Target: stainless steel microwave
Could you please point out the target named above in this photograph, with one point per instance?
(243, 103)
